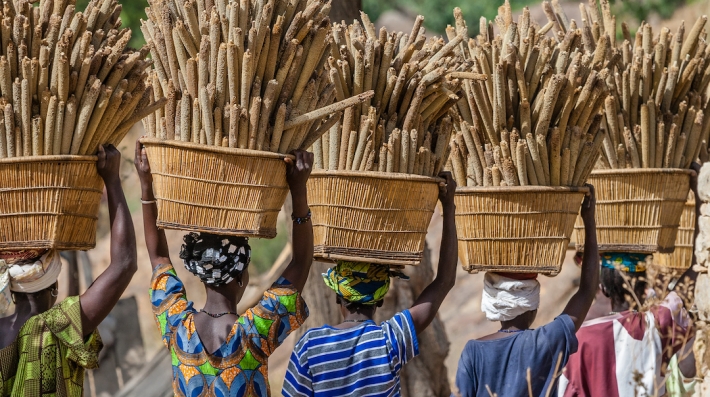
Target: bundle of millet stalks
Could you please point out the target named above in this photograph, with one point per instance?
(655, 115)
(68, 81)
(242, 73)
(405, 127)
(536, 120)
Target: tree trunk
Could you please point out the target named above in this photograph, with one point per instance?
(425, 376)
(345, 10)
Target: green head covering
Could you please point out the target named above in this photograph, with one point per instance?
(363, 283)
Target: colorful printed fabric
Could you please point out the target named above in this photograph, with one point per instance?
(240, 366)
(625, 262)
(364, 283)
(50, 354)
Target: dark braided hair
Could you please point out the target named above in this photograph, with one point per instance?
(215, 259)
(617, 289)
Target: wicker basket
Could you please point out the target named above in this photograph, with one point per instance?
(522, 229)
(682, 257)
(638, 210)
(49, 202)
(371, 216)
(217, 190)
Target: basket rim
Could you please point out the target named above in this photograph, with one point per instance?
(522, 189)
(377, 175)
(50, 158)
(215, 149)
(634, 171)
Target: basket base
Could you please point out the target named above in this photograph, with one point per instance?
(332, 254)
(256, 233)
(636, 249)
(546, 270)
(46, 244)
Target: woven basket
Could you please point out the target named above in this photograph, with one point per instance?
(49, 202)
(521, 229)
(638, 210)
(682, 257)
(371, 216)
(217, 190)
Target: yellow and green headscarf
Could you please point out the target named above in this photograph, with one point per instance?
(363, 283)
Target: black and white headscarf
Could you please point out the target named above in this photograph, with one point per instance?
(216, 260)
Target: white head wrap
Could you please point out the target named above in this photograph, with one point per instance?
(29, 277)
(505, 298)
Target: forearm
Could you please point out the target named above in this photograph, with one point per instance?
(155, 239)
(123, 236)
(448, 255)
(297, 270)
(589, 281)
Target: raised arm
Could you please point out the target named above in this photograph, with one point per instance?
(579, 304)
(104, 293)
(155, 240)
(427, 305)
(297, 174)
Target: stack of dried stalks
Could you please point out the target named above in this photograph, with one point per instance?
(655, 115)
(405, 127)
(537, 119)
(68, 82)
(242, 73)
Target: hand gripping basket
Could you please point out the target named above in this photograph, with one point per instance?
(49, 202)
(682, 257)
(638, 210)
(371, 216)
(517, 229)
(215, 189)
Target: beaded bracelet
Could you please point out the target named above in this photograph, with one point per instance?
(300, 221)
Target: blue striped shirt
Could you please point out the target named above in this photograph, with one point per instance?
(359, 361)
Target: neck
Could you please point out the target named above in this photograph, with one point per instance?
(618, 307)
(358, 317)
(513, 325)
(219, 301)
(26, 306)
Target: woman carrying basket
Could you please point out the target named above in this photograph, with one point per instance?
(215, 351)
(519, 361)
(625, 352)
(44, 349)
(359, 357)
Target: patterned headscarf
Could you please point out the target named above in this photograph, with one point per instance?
(363, 283)
(625, 262)
(216, 260)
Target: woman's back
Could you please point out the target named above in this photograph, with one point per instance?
(362, 360)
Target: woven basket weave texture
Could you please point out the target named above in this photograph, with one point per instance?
(371, 216)
(638, 210)
(49, 202)
(682, 257)
(217, 190)
(522, 229)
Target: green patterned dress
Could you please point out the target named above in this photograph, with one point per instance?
(50, 354)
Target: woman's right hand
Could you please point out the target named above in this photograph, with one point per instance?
(589, 206)
(298, 170)
(143, 166)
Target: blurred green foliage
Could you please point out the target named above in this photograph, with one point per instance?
(439, 13)
(640, 10)
(264, 252)
(133, 11)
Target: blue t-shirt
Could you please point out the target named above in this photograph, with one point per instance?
(502, 364)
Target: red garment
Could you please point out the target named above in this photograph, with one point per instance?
(623, 354)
